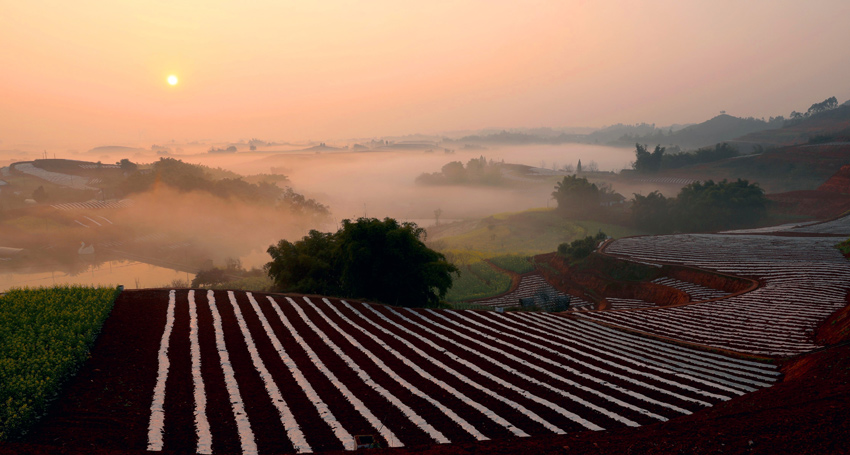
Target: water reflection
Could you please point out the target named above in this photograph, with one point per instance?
(131, 274)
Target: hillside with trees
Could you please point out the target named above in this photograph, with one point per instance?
(186, 177)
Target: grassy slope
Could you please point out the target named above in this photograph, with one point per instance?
(526, 233)
(506, 238)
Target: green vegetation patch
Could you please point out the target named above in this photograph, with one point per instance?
(46, 335)
(477, 281)
(514, 263)
(526, 233)
(618, 269)
(844, 247)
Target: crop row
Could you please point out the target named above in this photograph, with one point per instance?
(695, 291)
(93, 204)
(70, 181)
(46, 334)
(529, 286)
(271, 373)
(805, 280)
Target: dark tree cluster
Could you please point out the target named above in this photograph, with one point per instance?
(701, 206)
(366, 259)
(208, 278)
(576, 196)
(816, 108)
(477, 171)
(646, 162)
(581, 248)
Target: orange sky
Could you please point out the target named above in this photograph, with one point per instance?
(94, 72)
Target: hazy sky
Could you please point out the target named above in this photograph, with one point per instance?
(92, 72)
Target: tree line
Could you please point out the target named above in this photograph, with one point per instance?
(477, 171)
(647, 162)
(701, 206)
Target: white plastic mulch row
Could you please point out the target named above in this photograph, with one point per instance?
(553, 371)
(676, 180)
(696, 291)
(627, 304)
(67, 180)
(100, 166)
(805, 280)
(89, 205)
(837, 226)
(529, 286)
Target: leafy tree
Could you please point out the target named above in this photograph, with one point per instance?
(651, 212)
(369, 258)
(576, 195)
(581, 248)
(719, 152)
(127, 165)
(825, 105)
(711, 206)
(647, 162)
(209, 277)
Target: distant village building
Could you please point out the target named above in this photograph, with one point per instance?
(608, 199)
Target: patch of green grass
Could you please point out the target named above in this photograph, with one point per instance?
(844, 247)
(526, 233)
(46, 335)
(477, 280)
(514, 263)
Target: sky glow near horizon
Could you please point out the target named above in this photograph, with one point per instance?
(90, 73)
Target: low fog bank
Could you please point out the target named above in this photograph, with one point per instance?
(218, 228)
(381, 183)
(351, 184)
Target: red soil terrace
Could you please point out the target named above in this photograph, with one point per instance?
(803, 414)
(829, 200)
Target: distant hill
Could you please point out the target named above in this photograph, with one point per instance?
(829, 126)
(115, 149)
(722, 128)
(793, 168)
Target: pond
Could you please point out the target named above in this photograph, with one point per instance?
(131, 274)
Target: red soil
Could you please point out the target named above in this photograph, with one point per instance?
(596, 282)
(806, 413)
(838, 183)
(830, 199)
(814, 203)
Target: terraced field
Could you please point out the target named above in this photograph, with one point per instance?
(236, 372)
(529, 285)
(805, 280)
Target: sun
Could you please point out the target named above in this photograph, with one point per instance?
(172, 80)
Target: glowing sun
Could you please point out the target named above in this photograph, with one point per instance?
(172, 80)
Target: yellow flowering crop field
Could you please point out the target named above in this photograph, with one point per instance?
(45, 335)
